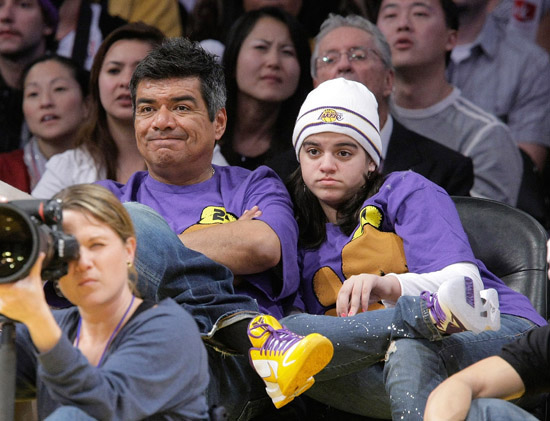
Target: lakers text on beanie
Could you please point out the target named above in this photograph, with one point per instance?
(340, 106)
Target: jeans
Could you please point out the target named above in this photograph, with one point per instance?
(497, 410)
(353, 380)
(414, 367)
(166, 268)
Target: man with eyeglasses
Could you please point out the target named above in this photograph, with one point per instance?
(353, 48)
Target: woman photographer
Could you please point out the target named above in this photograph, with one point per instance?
(112, 355)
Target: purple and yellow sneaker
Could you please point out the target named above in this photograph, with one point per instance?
(286, 361)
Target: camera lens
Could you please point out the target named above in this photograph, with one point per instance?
(17, 244)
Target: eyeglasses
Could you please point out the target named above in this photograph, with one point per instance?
(357, 54)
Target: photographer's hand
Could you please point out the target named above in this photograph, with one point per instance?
(24, 301)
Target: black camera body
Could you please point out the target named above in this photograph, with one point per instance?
(28, 227)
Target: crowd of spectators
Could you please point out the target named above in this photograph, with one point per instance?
(459, 92)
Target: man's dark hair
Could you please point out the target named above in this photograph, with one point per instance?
(179, 58)
(450, 11)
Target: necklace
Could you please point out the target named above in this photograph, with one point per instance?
(117, 328)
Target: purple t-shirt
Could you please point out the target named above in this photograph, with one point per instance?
(221, 199)
(412, 225)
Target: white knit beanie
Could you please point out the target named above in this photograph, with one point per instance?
(340, 106)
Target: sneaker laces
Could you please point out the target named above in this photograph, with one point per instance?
(279, 340)
(432, 303)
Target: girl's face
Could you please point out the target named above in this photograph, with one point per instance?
(53, 104)
(115, 74)
(100, 275)
(334, 167)
(267, 67)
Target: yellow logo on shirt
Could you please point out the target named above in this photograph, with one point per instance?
(369, 215)
(216, 215)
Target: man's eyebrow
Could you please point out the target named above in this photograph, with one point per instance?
(145, 100)
(184, 98)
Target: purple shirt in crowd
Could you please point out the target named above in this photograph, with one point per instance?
(412, 225)
(221, 199)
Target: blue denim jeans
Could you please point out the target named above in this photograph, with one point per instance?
(353, 380)
(166, 268)
(414, 367)
(496, 410)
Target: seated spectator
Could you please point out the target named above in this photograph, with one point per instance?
(364, 240)
(505, 75)
(96, 360)
(425, 102)
(353, 48)
(55, 104)
(266, 71)
(106, 147)
(176, 130)
(30, 28)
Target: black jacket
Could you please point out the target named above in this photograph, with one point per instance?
(408, 150)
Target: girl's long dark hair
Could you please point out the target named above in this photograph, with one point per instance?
(310, 216)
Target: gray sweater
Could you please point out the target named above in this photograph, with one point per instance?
(156, 368)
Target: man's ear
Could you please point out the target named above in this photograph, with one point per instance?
(388, 82)
(220, 122)
(452, 36)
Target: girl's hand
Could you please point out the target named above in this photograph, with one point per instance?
(360, 291)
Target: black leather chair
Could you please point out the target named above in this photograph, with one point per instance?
(511, 243)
